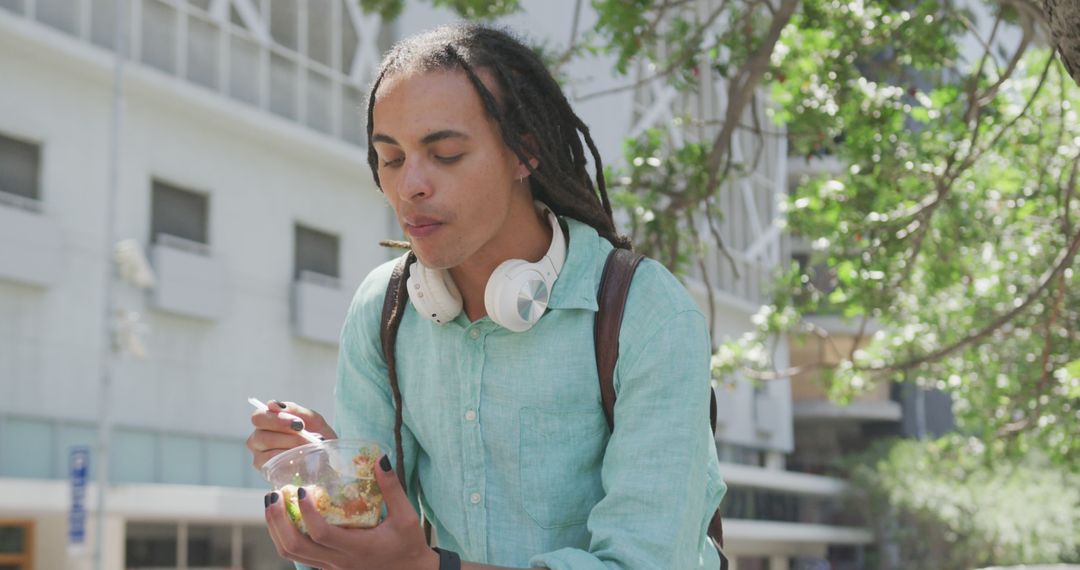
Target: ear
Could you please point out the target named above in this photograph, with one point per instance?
(530, 151)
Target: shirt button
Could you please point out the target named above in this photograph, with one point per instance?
(475, 333)
(470, 415)
(475, 498)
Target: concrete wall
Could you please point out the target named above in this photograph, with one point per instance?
(57, 92)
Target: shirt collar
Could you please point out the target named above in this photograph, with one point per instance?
(579, 280)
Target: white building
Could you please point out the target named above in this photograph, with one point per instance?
(236, 159)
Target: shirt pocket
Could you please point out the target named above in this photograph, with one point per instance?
(561, 453)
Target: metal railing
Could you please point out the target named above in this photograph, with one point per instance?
(308, 61)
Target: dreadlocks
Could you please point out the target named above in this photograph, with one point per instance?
(532, 113)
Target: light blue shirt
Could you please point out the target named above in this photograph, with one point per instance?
(505, 433)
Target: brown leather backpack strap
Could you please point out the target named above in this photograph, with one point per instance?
(712, 408)
(611, 300)
(716, 529)
(393, 309)
(716, 534)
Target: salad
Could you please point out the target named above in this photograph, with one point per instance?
(354, 500)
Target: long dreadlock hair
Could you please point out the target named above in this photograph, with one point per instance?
(534, 120)
(531, 111)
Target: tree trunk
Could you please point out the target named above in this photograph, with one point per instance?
(1063, 19)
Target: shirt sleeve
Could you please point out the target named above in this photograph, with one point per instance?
(363, 403)
(660, 474)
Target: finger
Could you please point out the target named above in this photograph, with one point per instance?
(313, 421)
(398, 507)
(290, 543)
(264, 440)
(272, 420)
(322, 532)
(264, 445)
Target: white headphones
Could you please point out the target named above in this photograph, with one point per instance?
(516, 294)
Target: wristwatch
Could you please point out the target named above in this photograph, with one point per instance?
(448, 560)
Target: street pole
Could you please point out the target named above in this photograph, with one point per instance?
(108, 346)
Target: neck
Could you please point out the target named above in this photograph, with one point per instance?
(529, 237)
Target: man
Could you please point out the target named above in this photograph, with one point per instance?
(503, 438)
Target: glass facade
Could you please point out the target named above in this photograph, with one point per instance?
(38, 448)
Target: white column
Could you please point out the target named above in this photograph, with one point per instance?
(237, 558)
(181, 40)
(181, 545)
(775, 460)
(335, 64)
(84, 20)
(780, 562)
(264, 60)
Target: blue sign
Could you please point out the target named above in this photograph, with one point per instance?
(78, 467)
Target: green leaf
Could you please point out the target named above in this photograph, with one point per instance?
(845, 272)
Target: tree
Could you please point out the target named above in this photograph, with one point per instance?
(942, 506)
(953, 223)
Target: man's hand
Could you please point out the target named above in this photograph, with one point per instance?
(277, 430)
(397, 543)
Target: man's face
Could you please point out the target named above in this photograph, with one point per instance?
(444, 167)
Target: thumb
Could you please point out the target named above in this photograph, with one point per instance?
(397, 502)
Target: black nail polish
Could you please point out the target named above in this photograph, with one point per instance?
(273, 497)
(384, 463)
(301, 493)
(266, 500)
(280, 404)
(297, 425)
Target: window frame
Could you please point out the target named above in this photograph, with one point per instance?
(298, 273)
(181, 242)
(12, 199)
(24, 559)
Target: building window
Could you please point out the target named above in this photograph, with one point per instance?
(20, 164)
(179, 213)
(741, 454)
(753, 563)
(25, 448)
(16, 545)
(210, 546)
(151, 545)
(183, 545)
(315, 252)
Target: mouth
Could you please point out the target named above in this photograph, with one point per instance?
(422, 227)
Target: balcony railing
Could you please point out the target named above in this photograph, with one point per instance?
(308, 61)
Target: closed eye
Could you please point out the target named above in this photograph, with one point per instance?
(449, 159)
(392, 163)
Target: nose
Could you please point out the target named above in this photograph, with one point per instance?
(415, 183)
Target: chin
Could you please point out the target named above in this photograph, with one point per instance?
(435, 259)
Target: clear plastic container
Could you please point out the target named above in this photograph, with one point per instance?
(338, 474)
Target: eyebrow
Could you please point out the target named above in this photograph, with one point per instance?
(430, 138)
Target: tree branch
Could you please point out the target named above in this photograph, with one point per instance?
(672, 64)
(742, 87)
(1058, 268)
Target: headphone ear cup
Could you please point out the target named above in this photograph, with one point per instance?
(516, 295)
(433, 294)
